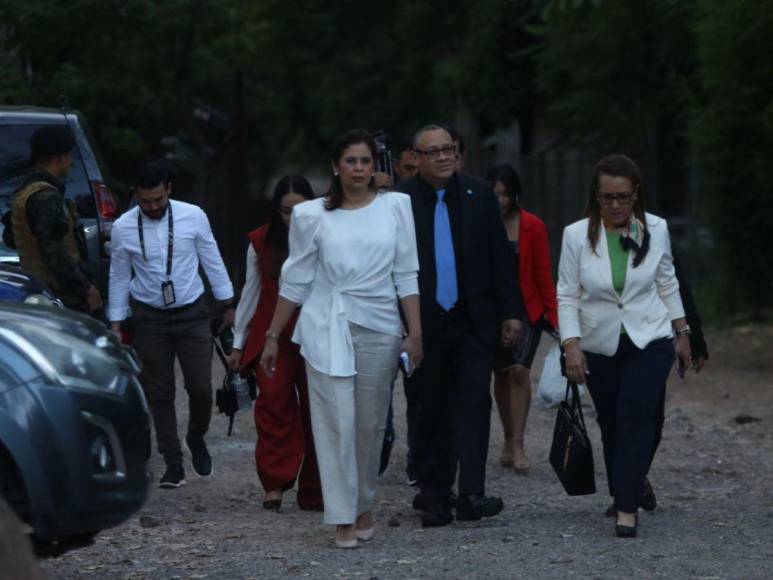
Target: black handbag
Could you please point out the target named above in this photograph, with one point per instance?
(571, 454)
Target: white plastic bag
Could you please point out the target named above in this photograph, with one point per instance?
(552, 384)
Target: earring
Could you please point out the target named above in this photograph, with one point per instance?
(335, 173)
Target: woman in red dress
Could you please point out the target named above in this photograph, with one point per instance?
(285, 447)
(528, 239)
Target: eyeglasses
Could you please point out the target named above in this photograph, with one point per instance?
(434, 153)
(620, 198)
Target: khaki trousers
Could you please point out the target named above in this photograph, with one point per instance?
(348, 419)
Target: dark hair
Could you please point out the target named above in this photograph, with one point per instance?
(507, 176)
(51, 141)
(432, 127)
(151, 172)
(616, 166)
(335, 195)
(276, 234)
(456, 136)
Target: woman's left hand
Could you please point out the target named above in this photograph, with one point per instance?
(683, 354)
(412, 346)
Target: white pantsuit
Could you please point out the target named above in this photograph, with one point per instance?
(348, 268)
(348, 418)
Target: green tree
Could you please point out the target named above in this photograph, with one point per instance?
(733, 132)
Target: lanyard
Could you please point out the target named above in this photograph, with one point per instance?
(170, 246)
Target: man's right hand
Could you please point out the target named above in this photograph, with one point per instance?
(93, 299)
(115, 327)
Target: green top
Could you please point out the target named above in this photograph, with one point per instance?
(618, 259)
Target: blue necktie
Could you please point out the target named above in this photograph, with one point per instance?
(446, 293)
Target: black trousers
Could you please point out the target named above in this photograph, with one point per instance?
(628, 391)
(160, 337)
(449, 410)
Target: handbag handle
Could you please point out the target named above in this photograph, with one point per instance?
(576, 407)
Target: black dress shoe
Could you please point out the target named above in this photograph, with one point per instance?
(436, 517)
(420, 502)
(272, 505)
(474, 507)
(648, 500)
(627, 531)
(200, 458)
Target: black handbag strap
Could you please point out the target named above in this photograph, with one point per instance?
(575, 406)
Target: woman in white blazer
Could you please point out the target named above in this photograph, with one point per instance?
(619, 309)
(352, 257)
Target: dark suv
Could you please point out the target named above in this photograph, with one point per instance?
(74, 425)
(85, 185)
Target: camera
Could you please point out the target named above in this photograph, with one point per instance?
(383, 154)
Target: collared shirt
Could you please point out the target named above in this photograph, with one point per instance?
(429, 200)
(348, 265)
(194, 244)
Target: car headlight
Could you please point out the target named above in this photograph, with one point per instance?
(67, 359)
(43, 300)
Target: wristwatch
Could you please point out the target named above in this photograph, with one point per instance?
(274, 335)
(684, 331)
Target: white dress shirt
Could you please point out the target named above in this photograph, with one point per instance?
(589, 307)
(248, 302)
(348, 266)
(193, 244)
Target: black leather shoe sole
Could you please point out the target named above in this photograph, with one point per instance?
(436, 519)
(486, 509)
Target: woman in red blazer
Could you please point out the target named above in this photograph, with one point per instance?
(284, 450)
(528, 238)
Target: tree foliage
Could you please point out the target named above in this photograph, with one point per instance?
(667, 81)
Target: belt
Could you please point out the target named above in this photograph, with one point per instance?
(170, 311)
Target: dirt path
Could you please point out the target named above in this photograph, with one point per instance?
(713, 477)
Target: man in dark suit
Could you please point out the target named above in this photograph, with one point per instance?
(470, 301)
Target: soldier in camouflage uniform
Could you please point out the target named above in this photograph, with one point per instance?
(46, 230)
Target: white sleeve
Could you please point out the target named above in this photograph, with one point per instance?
(301, 264)
(248, 302)
(568, 289)
(665, 280)
(405, 270)
(210, 259)
(120, 278)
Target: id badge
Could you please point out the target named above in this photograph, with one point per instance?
(167, 291)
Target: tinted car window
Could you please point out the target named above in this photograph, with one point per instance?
(15, 165)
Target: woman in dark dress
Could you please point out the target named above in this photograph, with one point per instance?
(528, 238)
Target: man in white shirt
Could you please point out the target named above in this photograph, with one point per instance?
(163, 242)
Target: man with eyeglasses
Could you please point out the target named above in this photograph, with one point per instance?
(469, 303)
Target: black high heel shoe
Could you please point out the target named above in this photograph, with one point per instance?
(627, 531)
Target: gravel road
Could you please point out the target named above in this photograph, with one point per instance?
(713, 478)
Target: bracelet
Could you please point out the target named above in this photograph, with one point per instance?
(570, 339)
(684, 331)
(274, 335)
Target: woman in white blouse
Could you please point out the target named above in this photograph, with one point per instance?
(352, 256)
